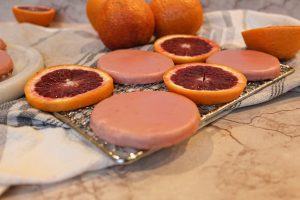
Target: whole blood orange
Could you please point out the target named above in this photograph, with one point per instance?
(185, 48)
(93, 7)
(205, 83)
(177, 16)
(39, 15)
(282, 42)
(121, 23)
(67, 87)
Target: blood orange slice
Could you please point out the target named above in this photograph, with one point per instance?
(67, 87)
(185, 48)
(205, 83)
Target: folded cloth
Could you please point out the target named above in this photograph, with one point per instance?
(36, 148)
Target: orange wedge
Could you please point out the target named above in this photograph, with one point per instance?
(282, 42)
(39, 15)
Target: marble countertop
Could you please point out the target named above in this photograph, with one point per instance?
(252, 153)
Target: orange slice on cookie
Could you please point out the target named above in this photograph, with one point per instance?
(67, 87)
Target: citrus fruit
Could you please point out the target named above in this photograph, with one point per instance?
(67, 87)
(39, 15)
(128, 66)
(185, 48)
(121, 23)
(93, 7)
(177, 16)
(205, 83)
(255, 65)
(282, 42)
(145, 120)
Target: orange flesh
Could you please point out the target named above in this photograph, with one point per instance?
(204, 78)
(67, 83)
(186, 46)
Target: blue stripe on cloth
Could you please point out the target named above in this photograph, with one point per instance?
(19, 113)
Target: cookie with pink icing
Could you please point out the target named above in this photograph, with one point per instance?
(2, 45)
(6, 65)
(255, 65)
(145, 120)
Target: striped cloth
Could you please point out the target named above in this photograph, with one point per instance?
(36, 148)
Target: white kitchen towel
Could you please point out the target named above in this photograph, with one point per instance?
(36, 148)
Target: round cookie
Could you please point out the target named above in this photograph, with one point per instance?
(145, 120)
(6, 65)
(135, 66)
(255, 65)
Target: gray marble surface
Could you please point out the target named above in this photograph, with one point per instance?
(74, 10)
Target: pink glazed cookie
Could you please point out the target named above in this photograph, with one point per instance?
(135, 66)
(2, 45)
(145, 120)
(254, 65)
(6, 65)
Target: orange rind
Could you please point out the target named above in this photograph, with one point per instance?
(39, 15)
(282, 42)
(177, 16)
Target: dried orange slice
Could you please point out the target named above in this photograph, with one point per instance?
(282, 42)
(67, 87)
(185, 48)
(205, 83)
(39, 15)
